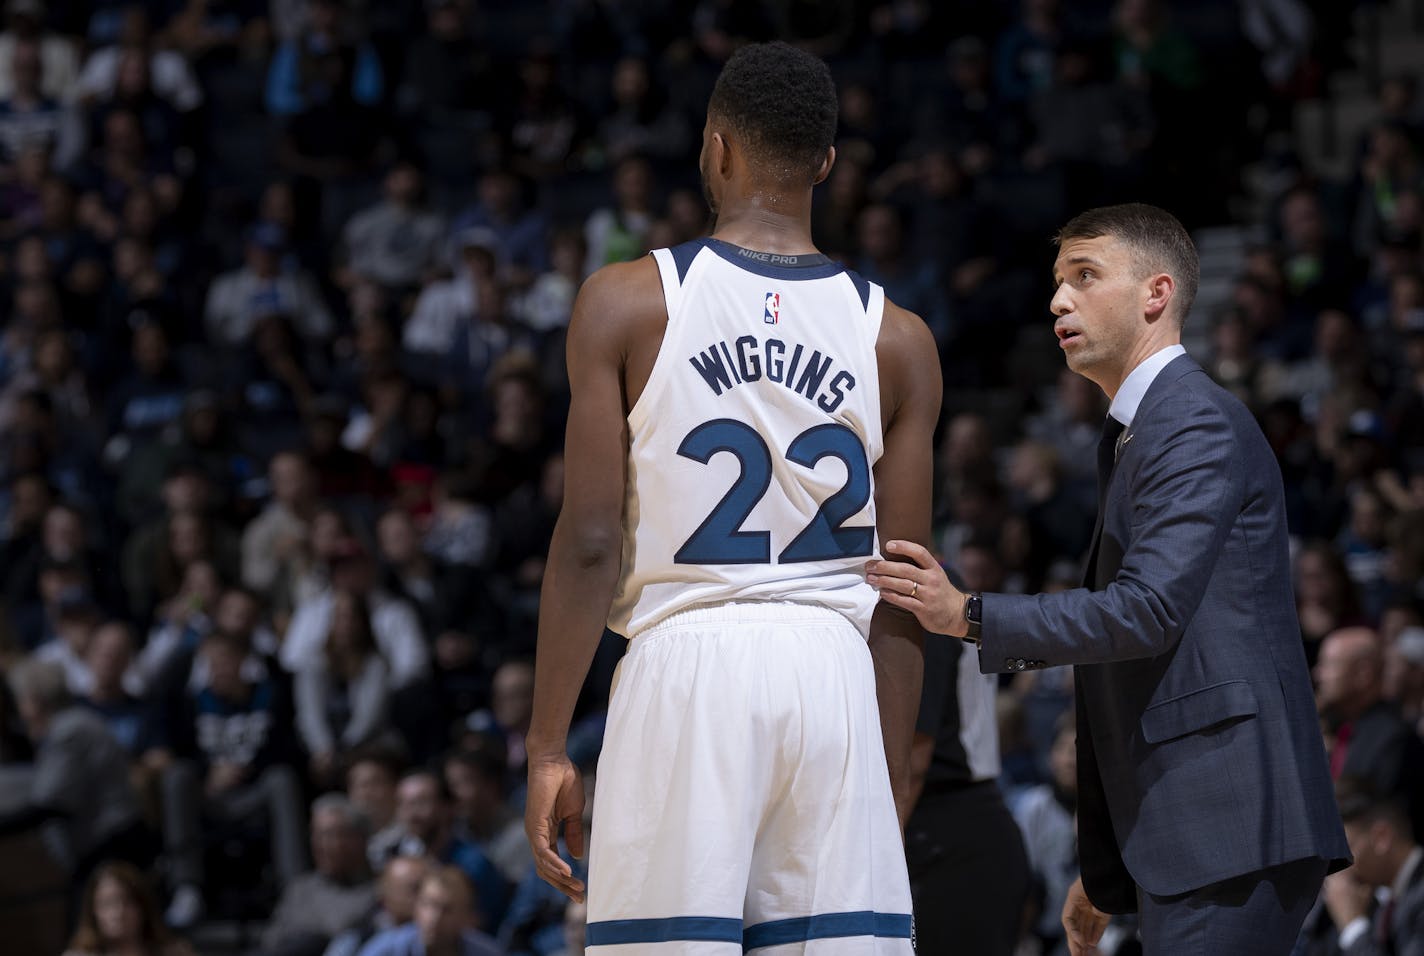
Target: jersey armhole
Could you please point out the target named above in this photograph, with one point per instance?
(874, 318)
(875, 311)
(671, 272)
(672, 278)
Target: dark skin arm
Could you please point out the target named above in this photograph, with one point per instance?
(910, 394)
(616, 306)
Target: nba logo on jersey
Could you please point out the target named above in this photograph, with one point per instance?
(773, 308)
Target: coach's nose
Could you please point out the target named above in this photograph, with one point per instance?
(1062, 303)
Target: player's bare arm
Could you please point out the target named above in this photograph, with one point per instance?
(607, 340)
(910, 394)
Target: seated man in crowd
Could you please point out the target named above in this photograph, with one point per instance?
(425, 812)
(337, 895)
(1388, 862)
(443, 923)
(371, 778)
(483, 815)
(231, 743)
(395, 897)
(78, 787)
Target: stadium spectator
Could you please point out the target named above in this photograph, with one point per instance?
(371, 778)
(120, 917)
(28, 117)
(336, 896)
(231, 764)
(398, 241)
(111, 686)
(393, 622)
(396, 893)
(426, 815)
(1387, 858)
(343, 697)
(272, 542)
(78, 787)
(442, 922)
(1366, 737)
(477, 782)
(1046, 814)
(264, 286)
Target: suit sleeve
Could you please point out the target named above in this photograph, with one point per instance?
(1186, 493)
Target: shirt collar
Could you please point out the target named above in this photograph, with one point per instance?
(1134, 387)
(1406, 872)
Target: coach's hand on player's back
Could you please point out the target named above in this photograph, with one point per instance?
(555, 797)
(920, 586)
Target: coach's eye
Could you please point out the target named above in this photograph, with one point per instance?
(1085, 274)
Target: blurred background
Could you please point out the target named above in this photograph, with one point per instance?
(283, 288)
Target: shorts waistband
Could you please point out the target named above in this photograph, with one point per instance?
(744, 612)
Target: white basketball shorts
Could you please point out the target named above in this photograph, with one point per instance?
(742, 802)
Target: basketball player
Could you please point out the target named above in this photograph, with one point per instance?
(747, 416)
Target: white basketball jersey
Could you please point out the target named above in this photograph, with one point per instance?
(752, 445)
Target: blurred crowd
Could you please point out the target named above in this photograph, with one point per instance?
(282, 297)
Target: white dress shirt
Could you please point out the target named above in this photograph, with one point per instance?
(1138, 381)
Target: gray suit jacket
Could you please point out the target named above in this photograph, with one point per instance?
(1199, 753)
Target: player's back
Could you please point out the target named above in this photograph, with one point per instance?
(753, 441)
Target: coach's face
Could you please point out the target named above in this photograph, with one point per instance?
(1099, 305)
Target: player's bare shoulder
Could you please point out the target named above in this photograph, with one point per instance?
(619, 318)
(908, 358)
(624, 297)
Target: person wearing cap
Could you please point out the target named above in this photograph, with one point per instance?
(443, 307)
(264, 285)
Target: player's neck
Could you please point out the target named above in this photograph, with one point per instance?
(767, 223)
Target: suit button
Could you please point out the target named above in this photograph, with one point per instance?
(1020, 664)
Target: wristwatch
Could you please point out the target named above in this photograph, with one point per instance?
(974, 617)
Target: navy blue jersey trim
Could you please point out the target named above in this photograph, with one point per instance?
(814, 266)
(826, 926)
(615, 932)
(862, 286)
(682, 256)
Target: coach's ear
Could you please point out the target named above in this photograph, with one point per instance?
(826, 165)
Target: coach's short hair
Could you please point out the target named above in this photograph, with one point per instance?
(782, 102)
(1159, 243)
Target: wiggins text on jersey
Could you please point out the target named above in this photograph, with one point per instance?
(748, 359)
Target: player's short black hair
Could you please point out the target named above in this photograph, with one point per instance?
(1158, 240)
(782, 101)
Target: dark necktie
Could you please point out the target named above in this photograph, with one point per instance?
(1383, 930)
(1107, 454)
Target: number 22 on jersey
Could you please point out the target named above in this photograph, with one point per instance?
(720, 538)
